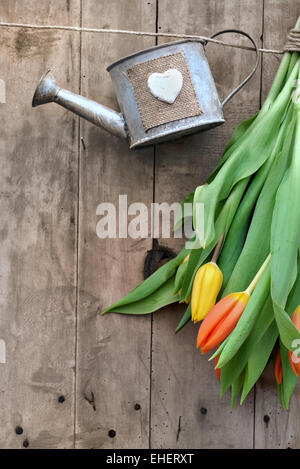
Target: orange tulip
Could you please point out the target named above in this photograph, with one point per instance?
(224, 316)
(294, 360)
(278, 367)
(217, 370)
(221, 320)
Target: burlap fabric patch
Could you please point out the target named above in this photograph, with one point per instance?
(154, 112)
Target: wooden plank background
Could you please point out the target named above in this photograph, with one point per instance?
(73, 378)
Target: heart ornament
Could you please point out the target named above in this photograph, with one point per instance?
(166, 86)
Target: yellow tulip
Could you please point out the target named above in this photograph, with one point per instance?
(206, 287)
(186, 301)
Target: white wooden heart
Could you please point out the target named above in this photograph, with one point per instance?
(166, 86)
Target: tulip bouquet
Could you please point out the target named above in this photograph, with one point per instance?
(242, 279)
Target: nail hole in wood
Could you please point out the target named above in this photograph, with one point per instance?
(19, 430)
(137, 407)
(111, 433)
(25, 443)
(203, 411)
(61, 399)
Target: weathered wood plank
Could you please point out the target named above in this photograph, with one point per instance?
(113, 360)
(38, 198)
(38, 201)
(274, 427)
(186, 408)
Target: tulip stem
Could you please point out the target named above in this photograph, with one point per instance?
(257, 276)
(217, 249)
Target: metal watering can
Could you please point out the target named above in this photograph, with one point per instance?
(163, 92)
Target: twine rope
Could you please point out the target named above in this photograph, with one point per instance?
(292, 45)
(293, 41)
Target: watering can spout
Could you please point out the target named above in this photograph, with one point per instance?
(48, 92)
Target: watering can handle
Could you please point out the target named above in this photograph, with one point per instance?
(255, 66)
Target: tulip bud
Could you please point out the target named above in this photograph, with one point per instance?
(206, 287)
(186, 259)
(221, 320)
(278, 367)
(179, 277)
(294, 360)
(188, 300)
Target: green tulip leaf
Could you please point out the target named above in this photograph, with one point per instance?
(258, 359)
(161, 297)
(285, 240)
(185, 319)
(151, 284)
(236, 365)
(248, 318)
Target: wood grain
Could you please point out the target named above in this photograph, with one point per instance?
(72, 377)
(186, 408)
(274, 427)
(113, 359)
(38, 199)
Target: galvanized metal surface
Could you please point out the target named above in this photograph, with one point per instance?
(129, 123)
(47, 91)
(204, 87)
